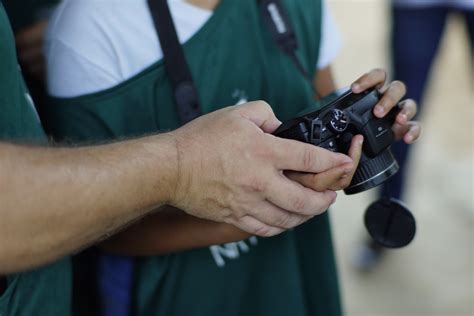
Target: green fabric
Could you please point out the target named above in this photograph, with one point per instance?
(45, 291)
(231, 57)
(25, 12)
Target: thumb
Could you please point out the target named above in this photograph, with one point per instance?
(261, 114)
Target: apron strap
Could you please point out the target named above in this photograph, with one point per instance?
(185, 92)
(186, 95)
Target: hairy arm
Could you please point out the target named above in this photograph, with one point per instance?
(56, 201)
(172, 230)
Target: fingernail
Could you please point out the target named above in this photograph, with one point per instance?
(409, 138)
(355, 87)
(361, 140)
(379, 110)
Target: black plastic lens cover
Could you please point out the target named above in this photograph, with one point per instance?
(390, 223)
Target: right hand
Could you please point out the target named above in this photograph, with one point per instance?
(231, 170)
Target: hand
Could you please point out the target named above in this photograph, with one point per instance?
(231, 170)
(337, 178)
(403, 127)
(29, 42)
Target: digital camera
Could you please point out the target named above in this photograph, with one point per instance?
(333, 127)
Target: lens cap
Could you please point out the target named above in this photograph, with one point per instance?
(390, 223)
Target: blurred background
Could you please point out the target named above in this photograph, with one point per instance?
(435, 274)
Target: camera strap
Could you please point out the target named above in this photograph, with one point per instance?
(185, 92)
(278, 23)
(186, 95)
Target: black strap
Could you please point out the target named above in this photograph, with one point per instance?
(279, 25)
(185, 92)
(3, 285)
(186, 96)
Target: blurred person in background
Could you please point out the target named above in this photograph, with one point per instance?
(29, 20)
(104, 56)
(417, 29)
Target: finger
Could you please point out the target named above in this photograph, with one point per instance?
(413, 133)
(274, 216)
(375, 78)
(327, 180)
(294, 197)
(395, 92)
(355, 152)
(260, 113)
(410, 132)
(408, 112)
(255, 227)
(298, 156)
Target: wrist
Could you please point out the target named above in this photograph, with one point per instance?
(181, 181)
(162, 168)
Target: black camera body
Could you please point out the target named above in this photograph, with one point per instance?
(333, 127)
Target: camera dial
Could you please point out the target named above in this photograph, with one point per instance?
(339, 121)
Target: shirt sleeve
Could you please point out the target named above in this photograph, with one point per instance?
(331, 41)
(77, 61)
(70, 74)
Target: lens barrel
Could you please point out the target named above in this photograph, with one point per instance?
(372, 172)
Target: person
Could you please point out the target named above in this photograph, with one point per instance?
(55, 201)
(417, 28)
(29, 20)
(103, 56)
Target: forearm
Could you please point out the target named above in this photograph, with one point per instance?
(56, 201)
(171, 230)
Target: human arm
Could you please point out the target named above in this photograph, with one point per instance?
(170, 230)
(173, 230)
(57, 201)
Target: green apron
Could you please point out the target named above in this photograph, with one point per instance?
(232, 57)
(44, 291)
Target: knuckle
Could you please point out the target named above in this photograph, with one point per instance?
(283, 220)
(264, 104)
(299, 204)
(255, 184)
(380, 72)
(344, 183)
(400, 85)
(309, 159)
(262, 230)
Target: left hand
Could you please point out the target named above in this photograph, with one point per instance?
(340, 177)
(404, 128)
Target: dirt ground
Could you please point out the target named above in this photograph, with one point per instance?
(435, 274)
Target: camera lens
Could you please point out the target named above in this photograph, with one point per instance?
(373, 172)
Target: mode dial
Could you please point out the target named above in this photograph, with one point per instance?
(339, 121)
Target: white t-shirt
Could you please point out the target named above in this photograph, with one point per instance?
(461, 4)
(93, 45)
